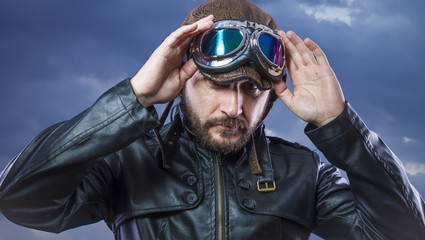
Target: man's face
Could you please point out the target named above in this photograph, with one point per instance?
(222, 117)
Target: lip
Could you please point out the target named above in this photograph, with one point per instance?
(228, 128)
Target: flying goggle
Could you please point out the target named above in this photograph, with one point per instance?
(230, 44)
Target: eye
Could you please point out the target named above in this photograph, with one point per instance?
(250, 85)
(250, 88)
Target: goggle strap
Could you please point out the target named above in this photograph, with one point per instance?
(162, 156)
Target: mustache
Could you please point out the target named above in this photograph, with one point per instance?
(228, 122)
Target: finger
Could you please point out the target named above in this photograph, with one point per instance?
(291, 49)
(290, 63)
(303, 50)
(177, 34)
(187, 70)
(301, 55)
(203, 25)
(186, 32)
(283, 92)
(289, 59)
(184, 43)
(317, 51)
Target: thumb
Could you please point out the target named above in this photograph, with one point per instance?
(187, 70)
(283, 92)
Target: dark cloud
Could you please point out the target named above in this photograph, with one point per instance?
(61, 37)
(48, 45)
(378, 59)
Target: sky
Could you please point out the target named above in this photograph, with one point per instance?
(57, 57)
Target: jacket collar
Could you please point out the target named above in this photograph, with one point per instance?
(257, 148)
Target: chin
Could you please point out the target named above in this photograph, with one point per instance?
(224, 141)
(226, 137)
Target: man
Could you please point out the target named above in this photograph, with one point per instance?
(212, 173)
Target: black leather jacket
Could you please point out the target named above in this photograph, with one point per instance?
(102, 164)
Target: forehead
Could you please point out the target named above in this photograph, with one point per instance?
(199, 76)
(201, 87)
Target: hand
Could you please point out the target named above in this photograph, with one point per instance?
(161, 78)
(317, 97)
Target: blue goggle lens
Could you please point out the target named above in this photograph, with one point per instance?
(220, 42)
(271, 48)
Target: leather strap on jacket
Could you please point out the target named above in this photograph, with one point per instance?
(163, 154)
(260, 161)
(257, 149)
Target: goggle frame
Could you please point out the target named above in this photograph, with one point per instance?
(248, 49)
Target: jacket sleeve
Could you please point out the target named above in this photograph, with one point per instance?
(57, 181)
(385, 206)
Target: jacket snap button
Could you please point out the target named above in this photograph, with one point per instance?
(248, 203)
(243, 183)
(191, 180)
(191, 198)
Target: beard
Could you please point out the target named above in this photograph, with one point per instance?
(204, 137)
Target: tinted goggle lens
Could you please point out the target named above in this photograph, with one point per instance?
(221, 42)
(271, 48)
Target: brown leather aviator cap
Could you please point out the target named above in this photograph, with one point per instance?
(233, 9)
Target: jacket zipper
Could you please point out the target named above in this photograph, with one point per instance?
(219, 199)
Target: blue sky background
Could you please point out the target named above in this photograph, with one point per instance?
(57, 57)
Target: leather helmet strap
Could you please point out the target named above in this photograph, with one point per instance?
(163, 156)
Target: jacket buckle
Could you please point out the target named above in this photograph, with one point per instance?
(264, 187)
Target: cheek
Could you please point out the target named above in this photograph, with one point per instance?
(255, 108)
(207, 105)
(201, 100)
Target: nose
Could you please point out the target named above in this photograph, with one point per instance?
(232, 101)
